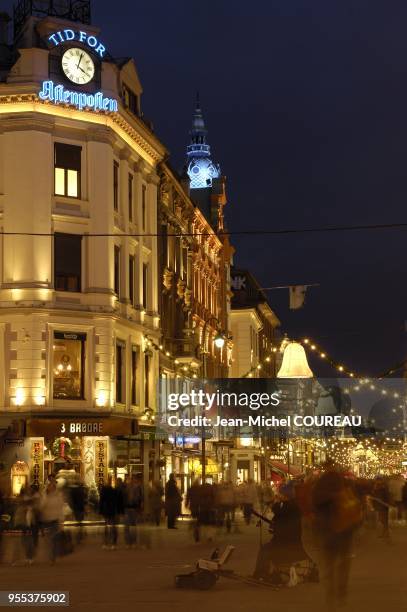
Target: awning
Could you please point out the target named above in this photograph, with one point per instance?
(283, 468)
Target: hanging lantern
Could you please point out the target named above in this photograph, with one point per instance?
(295, 364)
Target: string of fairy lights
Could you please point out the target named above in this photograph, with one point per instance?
(372, 456)
(359, 381)
(384, 455)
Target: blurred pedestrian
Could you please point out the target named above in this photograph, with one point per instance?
(52, 516)
(78, 495)
(192, 502)
(155, 501)
(133, 508)
(110, 507)
(249, 499)
(225, 501)
(395, 485)
(338, 513)
(381, 504)
(173, 500)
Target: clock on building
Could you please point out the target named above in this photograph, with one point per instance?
(78, 66)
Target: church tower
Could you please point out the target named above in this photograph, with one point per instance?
(200, 167)
(205, 181)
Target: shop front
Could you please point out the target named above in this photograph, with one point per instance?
(88, 447)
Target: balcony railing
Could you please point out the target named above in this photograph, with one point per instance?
(72, 10)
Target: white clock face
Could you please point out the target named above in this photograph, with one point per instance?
(78, 66)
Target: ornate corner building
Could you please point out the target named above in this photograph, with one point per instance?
(79, 292)
(195, 257)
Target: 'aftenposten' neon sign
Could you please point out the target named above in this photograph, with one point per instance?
(91, 41)
(59, 95)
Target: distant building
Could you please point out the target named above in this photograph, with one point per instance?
(255, 329)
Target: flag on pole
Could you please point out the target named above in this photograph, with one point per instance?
(297, 296)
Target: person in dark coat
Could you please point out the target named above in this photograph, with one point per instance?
(111, 506)
(172, 502)
(285, 548)
(78, 496)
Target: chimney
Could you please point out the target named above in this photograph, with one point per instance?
(4, 21)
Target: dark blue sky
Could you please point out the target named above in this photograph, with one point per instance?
(306, 106)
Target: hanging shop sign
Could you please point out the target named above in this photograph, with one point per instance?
(37, 462)
(110, 426)
(64, 36)
(101, 462)
(59, 95)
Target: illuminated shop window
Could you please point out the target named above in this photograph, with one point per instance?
(69, 365)
(67, 162)
(67, 262)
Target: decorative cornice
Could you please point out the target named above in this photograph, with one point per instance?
(114, 120)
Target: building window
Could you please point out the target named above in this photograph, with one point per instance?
(143, 206)
(67, 167)
(131, 197)
(117, 257)
(69, 365)
(116, 185)
(120, 372)
(147, 359)
(145, 286)
(130, 100)
(67, 262)
(134, 365)
(132, 271)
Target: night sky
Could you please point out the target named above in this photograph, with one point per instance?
(306, 107)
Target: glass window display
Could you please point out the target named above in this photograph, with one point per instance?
(69, 365)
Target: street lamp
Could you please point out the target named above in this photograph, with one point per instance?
(219, 340)
(295, 365)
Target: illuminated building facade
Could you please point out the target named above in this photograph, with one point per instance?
(195, 258)
(78, 275)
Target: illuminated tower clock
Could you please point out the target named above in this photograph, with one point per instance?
(200, 167)
(78, 66)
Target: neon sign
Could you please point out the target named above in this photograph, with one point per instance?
(91, 41)
(59, 95)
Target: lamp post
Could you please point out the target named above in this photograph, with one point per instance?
(294, 365)
(219, 343)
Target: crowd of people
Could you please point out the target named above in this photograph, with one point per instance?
(313, 519)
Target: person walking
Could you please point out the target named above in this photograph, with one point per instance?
(52, 517)
(249, 499)
(192, 502)
(111, 506)
(381, 504)
(155, 501)
(173, 500)
(133, 508)
(32, 500)
(78, 495)
(338, 513)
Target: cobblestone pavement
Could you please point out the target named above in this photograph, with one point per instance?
(143, 579)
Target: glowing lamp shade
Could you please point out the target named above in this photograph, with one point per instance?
(295, 364)
(219, 341)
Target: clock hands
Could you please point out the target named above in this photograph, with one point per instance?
(80, 59)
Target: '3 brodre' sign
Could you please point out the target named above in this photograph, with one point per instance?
(82, 428)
